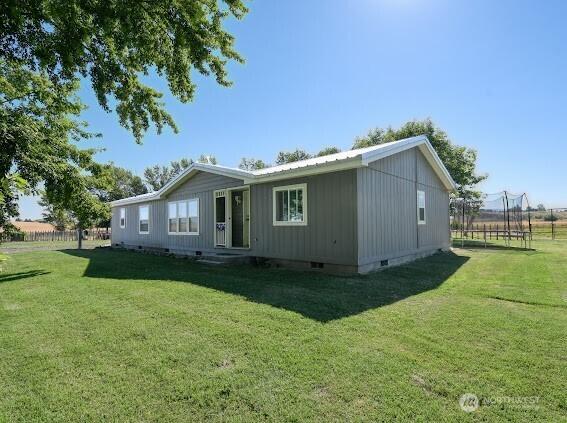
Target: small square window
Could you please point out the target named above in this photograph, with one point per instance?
(144, 219)
(421, 207)
(123, 217)
(290, 205)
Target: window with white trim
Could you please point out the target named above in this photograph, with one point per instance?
(421, 207)
(123, 217)
(183, 217)
(290, 205)
(144, 219)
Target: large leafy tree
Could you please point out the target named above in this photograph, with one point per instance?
(38, 133)
(460, 161)
(113, 43)
(47, 45)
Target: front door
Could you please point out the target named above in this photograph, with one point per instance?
(239, 218)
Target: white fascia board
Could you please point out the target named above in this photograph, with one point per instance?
(438, 166)
(395, 148)
(134, 200)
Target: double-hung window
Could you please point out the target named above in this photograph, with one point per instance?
(183, 217)
(144, 219)
(123, 217)
(290, 205)
(421, 207)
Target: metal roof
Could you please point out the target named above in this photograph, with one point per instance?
(350, 159)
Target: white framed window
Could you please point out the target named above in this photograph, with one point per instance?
(183, 217)
(123, 217)
(421, 207)
(290, 205)
(144, 219)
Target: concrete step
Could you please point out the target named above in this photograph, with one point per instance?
(213, 262)
(226, 258)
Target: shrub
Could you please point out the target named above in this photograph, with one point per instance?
(550, 218)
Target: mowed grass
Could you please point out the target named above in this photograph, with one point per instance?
(49, 245)
(121, 336)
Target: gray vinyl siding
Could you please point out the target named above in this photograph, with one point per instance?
(435, 233)
(330, 233)
(387, 208)
(201, 186)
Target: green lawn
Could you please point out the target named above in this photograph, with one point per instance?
(121, 336)
(51, 245)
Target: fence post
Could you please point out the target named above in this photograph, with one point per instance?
(552, 226)
(485, 235)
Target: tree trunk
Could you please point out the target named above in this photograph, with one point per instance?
(80, 237)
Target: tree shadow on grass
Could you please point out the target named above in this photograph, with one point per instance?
(7, 277)
(318, 296)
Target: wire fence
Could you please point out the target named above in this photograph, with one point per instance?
(549, 224)
(505, 217)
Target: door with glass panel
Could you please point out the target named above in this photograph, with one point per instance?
(220, 219)
(239, 218)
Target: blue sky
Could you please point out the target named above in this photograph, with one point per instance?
(319, 73)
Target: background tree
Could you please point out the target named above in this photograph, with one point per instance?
(292, 156)
(207, 159)
(550, 217)
(177, 166)
(120, 183)
(157, 176)
(115, 183)
(58, 217)
(373, 137)
(251, 164)
(328, 150)
(108, 183)
(459, 161)
(113, 43)
(541, 207)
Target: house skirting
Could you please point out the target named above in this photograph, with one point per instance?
(369, 264)
(378, 263)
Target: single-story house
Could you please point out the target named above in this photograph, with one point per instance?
(354, 211)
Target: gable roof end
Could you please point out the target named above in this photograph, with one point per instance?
(182, 177)
(422, 142)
